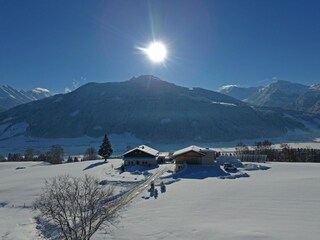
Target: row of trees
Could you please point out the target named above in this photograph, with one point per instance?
(285, 153)
(56, 154)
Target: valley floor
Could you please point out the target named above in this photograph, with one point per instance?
(279, 203)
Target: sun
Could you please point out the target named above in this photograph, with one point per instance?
(156, 52)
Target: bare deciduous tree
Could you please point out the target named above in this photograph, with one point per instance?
(90, 154)
(56, 154)
(241, 148)
(77, 207)
(29, 154)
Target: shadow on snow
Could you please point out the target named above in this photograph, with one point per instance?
(216, 171)
(200, 172)
(93, 165)
(138, 169)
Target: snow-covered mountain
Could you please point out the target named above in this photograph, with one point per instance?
(278, 94)
(240, 93)
(10, 97)
(149, 109)
(283, 94)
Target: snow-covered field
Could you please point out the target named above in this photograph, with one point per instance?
(281, 202)
(20, 187)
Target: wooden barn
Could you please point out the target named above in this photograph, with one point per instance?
(142, 155)
(194, 155)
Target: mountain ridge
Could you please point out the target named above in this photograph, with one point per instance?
(283, 94)
(150, 109)
(11, 97)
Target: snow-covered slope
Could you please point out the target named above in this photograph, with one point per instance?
(278, 94)
(288, 95)
(240, 93)
(283, 94)
(10, 97)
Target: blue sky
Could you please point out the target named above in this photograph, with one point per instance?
(63, 44)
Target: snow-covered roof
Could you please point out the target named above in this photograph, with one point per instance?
(163, 154)
(192, 148)
(145, 149)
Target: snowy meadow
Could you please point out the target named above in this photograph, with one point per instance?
(280, 202)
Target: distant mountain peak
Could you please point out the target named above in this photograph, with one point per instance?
(146, 79)
(315, 86)
(41, 90)
(286, 83)
(148, 82)
(281, 81)
(11, 97)
(227, 87)
(287, 87)
(238, 92)
(280, 93)
(149, 77)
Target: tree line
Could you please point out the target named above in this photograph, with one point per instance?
(283, 154)
(56, 154)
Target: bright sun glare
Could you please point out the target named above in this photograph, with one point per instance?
(157, 52)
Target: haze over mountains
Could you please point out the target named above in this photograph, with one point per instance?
(151, 110)
(283, 94)
(10, 97)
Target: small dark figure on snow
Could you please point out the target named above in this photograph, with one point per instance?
(155, 193)
(162, 187)
(152, 186)
(122, 168)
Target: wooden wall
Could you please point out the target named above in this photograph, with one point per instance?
(189, 158)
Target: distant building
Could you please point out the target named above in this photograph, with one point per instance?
(194, 155)
(142, 155)
(163, 157)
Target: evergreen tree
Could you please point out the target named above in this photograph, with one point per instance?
(105, 149)
(70, 160)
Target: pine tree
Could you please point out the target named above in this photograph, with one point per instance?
(105, 149)
(70, 160)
